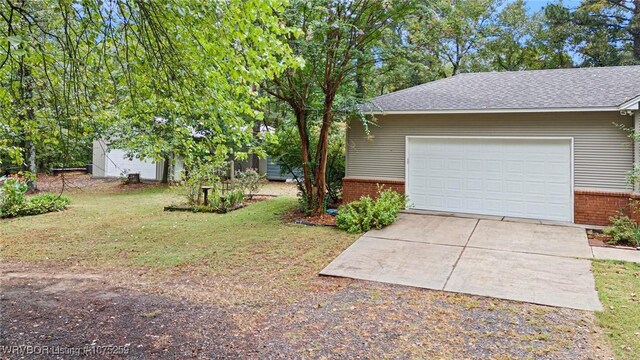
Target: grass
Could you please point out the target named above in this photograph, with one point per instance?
(619, 288)
(130, 229)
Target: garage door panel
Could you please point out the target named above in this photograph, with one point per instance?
(510, 177)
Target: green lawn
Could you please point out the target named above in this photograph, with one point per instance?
(253, 248)
(130, 229)
(618, 284)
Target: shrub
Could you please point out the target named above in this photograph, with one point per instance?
(12, 192)
(623, 229)
(14, 203)
(199, 174)
(366, 213)
(249, 182)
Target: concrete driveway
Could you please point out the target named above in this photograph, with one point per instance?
(530, 262)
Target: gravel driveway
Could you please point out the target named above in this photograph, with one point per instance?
(337, 318)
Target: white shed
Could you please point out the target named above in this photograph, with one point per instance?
(113, 163)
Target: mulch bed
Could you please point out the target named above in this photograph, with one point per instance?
(598, 238)
(190, 208)
(298, 217)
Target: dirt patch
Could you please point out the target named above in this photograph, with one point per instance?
(295, 216)
(598, 238)
(279, 188)
(184, 316)
(79, 183)
(80, 312)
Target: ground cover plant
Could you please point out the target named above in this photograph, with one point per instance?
(366, 213)
(14, 202)
(623, 231)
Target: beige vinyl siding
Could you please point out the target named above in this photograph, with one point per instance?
(603, 154)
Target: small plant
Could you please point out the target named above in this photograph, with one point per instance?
(230, 200)
(623, 229)
(199, 175)
(13, 193)
(14, 203)
(249, 182)
(366, 213)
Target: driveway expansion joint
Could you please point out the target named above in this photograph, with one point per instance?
(460, 256)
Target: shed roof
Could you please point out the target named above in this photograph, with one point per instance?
(604, 88)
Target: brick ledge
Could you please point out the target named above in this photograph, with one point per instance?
(374, 181)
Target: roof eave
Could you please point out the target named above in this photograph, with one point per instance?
(494, 111)
(633, 104)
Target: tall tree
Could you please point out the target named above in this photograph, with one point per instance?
(604, 32)
(509, 45)
(452, 32)
(337, 37)
(122, 64)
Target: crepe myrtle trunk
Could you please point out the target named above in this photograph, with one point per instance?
(301, 122)
(320, 175)
(165, 170)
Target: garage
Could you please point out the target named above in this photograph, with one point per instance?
(503, 176)
(117, 164)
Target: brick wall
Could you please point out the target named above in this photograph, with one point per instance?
(590, 207)
(595, 207)
(353, 188)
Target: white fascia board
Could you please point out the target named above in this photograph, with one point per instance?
(492, 111)
(633, 104)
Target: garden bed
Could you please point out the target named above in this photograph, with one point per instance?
(208, 209)
(298, 217)
(598, 238)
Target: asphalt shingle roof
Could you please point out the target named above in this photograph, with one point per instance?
(537, 89)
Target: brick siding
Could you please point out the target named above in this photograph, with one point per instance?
(353, 189)
(590, 207)
(595, 207)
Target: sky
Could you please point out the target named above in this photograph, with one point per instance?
(535, 5)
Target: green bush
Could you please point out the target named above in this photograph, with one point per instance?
(228, 201)
(623, 229)
(366, 213)
(198, 175)
(14, 203)
(249, 182)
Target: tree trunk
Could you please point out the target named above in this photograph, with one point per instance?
(301, 121)
(33, 168)
(165, 170)
(322, 151)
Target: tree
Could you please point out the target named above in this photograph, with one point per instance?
(337, 37)
(116, 67)
(452, 32)
(604, 32)
(509, 46)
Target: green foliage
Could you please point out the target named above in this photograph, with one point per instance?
(248, 182)
(228, 201)
(287, 154)
(12, 193)
(623, 229)
(197, 175)
(338, 48)
(161, 79)
(366, 214)
(14, 203)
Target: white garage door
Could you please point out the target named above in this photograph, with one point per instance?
(117, 164)
(529, 178)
